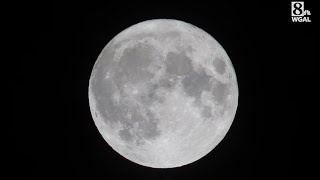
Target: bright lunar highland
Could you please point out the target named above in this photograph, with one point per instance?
(163, 93)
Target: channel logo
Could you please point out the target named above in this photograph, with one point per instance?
(298, 13)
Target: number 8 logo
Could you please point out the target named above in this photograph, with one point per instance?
(297, 8)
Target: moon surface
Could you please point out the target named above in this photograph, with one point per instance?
(163, 93)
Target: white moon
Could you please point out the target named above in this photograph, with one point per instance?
(163, 93)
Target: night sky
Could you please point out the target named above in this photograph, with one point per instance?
(51, 128)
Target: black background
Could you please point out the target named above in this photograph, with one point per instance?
(52, 130)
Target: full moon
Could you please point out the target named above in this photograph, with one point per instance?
(163, 93)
